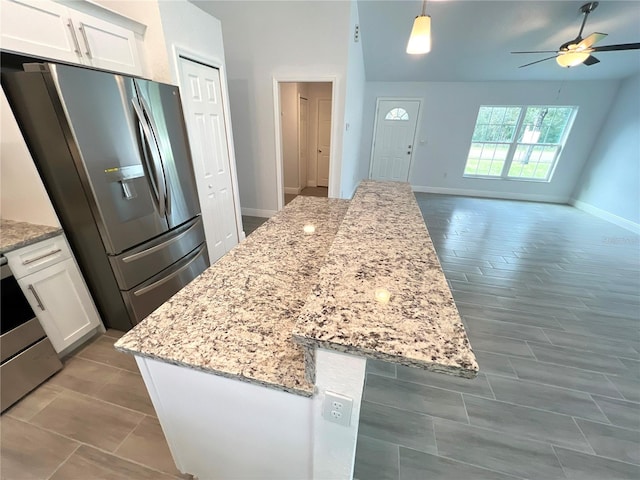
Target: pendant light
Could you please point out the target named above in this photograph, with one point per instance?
(420, 39)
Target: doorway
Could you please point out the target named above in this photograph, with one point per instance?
(304, 132)
(393, 139)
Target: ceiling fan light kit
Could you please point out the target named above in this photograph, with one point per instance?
(571, 59)
(578, 51)
(420, 39)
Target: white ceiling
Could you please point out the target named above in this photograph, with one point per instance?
(472, 39)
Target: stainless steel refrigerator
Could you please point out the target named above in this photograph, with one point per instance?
(114, 157)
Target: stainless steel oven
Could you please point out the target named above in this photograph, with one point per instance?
(26, 354)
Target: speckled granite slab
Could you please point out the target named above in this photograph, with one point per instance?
(383, 243)
(14, 235)
(236, 318)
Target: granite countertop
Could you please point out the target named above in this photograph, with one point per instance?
(236, 318)
(14, 235)
(383, 243)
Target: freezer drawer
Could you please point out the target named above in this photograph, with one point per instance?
(145, 298)
(141, 263)
(26, 371)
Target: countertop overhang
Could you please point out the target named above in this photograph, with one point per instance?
(382, 292)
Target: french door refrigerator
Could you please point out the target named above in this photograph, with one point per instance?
(114, 157)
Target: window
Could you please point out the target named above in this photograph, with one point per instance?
(397, 114)
(518, 143)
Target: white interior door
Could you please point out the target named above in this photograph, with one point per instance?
(303, 140)
(396, 122)
(202, 101)
(324, 141)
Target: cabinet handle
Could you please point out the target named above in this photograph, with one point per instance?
(86, 41)
(33, 290)
(31, 260)
(73, 35)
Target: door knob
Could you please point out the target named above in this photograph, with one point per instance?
(319, 151)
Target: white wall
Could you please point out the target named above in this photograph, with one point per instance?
(610, 183)
(355, 166)
(448, 119)
(299, 40)
(289, 122)
(22, 193)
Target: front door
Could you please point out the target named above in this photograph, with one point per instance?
(202, 102)
(324, 141)
(396, 122)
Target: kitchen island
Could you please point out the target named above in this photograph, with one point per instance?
(239, 363)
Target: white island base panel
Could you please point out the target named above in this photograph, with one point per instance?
(218, 427)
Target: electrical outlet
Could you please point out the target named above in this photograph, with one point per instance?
(337, 408)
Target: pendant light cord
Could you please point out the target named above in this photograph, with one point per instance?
(424, 7)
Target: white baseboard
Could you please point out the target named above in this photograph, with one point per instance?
(604, 215)
(486, 194)
(292, 190)
(257, 212)
(312, 184)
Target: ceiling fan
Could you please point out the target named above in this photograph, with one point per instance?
(579, 50)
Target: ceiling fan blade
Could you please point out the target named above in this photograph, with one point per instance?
(613, 48)
(537, 61)
(539, 51)
(591, 60)
(591, 40)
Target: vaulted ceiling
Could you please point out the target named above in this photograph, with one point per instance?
(472, 39)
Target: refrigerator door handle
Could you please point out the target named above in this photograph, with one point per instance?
(148, 146)
(154, 132)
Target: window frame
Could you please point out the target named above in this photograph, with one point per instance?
(514, 144)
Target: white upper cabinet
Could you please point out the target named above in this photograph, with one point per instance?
(47, 29)
(105, 45)
(38, 28)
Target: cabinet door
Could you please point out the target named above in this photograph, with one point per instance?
(107, 46)
(61, 302)
(39, 28)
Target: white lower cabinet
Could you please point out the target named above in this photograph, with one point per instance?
(56, 291)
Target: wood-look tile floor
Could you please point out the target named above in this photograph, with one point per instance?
(92, 420)
(249, 223)
(550, 297)
(308, 192)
